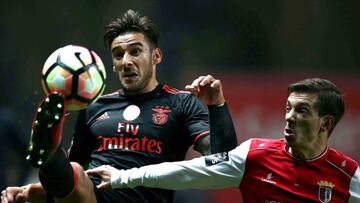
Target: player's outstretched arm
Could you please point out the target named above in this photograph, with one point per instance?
(34, 193)
(208, 172)
(222, 131)
(355, 187)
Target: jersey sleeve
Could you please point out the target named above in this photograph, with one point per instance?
(196, 118)
(355, 187)
(223, 135)
(82, 144)
(208, 172)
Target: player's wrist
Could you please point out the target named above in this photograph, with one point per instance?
(35, 192)
(115, 179)
(220, 104)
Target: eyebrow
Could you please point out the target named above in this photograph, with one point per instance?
(301, 104)
(131, 44)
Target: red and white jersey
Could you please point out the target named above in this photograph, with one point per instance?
(262, 169)
(274, 175)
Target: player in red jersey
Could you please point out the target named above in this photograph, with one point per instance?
(301, 167)
(144, 123)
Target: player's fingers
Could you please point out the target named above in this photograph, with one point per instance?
(188, 87)
(216, 84)
(20, 198)
(95, 171)
(102, 171)
(100, 185)
(3, 200)
(110, 168)
(8, 197)
(207, 80)
(191, 89)
(197, 81)
(104, 185)
(3, 196)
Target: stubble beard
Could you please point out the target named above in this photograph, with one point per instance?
(137, 86)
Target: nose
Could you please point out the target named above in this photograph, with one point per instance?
(289, 116)
(126, 61)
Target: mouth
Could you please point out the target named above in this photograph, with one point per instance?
(130, 76)
(289, 131)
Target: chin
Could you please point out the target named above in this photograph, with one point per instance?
(133, 86)
(289, 141)
(133, 89)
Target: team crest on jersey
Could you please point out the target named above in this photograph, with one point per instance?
(160, 116)
(325, 191)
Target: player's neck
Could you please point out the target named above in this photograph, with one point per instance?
(308, 153)
(309, 150)
(148, 88)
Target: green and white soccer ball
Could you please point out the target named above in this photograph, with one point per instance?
(77, 73)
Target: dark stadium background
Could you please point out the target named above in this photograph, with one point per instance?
(255, 47)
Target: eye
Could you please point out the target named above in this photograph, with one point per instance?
(287, 108)
(303, 110)
(118, 55)
(136, 52)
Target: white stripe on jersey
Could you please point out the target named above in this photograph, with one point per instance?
(191, 174)
(355, 187)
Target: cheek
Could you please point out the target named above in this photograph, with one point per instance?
(144, 63)
(308, 126)
(116, 63)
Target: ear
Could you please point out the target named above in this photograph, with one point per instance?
(156, 56)
(327, 124)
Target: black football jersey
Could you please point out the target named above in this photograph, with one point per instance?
(132, 131)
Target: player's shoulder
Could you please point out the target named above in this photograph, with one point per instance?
(341, 161)
(103, 102)
(264, 144)
(167, 89)
(260, 149)
(110, 95)
(107, 98)
(180, 97)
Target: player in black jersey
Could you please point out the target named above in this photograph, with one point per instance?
(143, 123)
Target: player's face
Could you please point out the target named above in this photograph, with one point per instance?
(302, 121)
(135, 62)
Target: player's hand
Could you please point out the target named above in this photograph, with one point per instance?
(104, 172)
(14, 195)
(207, 89)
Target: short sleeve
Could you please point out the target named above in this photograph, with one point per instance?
(196, 118)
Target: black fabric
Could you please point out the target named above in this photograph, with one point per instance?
(56, 176)
(223, 137)
(168, 123)
(49, 198)
(131, 195)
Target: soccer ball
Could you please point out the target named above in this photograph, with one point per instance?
(75, 72)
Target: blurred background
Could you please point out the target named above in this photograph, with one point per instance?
(255, 47)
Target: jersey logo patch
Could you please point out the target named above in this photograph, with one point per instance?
(103, 116)
(269, 178)
(325, 191)
(343, 164)
(131, 112)
(160, 117)
(216, 158)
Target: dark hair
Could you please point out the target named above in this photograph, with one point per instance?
(329, 100)
(132, 21)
